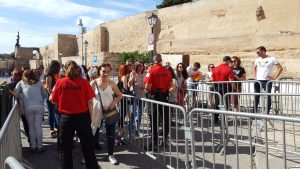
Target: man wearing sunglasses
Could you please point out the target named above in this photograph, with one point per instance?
(263, 72)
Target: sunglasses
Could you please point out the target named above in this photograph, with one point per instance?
(212, 67)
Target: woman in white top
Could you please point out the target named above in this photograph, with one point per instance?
(110, 96)
(137, 82)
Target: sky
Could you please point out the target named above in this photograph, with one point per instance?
(39, 20)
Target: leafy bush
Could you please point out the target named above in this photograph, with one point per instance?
(167, 3)
(136, 56)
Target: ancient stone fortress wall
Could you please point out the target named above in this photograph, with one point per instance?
(205, 30)
(209, 29)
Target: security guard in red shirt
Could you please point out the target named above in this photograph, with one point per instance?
(222, 73)
(158, 84)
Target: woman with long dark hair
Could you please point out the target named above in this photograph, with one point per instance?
(34, 96)
(74, 97)
(181, 75)
(137, 82)
(110, 97)
(51, 77)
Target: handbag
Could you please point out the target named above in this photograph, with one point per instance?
(110, 116)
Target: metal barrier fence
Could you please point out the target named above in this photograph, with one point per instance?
(10, 138)
(245, 86)
(12, 163)
(249, 149)
(157, 128)
(284, 86)
(284, 104)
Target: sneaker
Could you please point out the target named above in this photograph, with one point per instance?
(42, 149)
(112, 159)
(32, 150)
(82, 161)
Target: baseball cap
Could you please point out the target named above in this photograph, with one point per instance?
(226, 58)
(157, 58)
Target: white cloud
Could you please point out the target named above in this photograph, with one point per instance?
(125, 5)
(59, 8)
(90, 22)
(4, 20)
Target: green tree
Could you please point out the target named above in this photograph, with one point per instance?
(167, 3)
(136, 56)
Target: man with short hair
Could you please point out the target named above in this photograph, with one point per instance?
(263, 72)
(158, 84)
(194, 76)
(222, 73)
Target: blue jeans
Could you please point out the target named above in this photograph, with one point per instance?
(136, 116)
(52, 115)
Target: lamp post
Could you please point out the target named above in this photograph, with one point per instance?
(82, 31)
(152, 21)
(86, 44)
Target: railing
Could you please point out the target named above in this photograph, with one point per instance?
(244, 144)
(157, 129)
(10, 138)
(12, 163)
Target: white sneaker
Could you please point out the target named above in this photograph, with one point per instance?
(112, 159)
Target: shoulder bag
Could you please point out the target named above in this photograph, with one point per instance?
(110, 116)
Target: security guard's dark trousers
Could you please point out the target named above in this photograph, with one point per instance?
(160, 114)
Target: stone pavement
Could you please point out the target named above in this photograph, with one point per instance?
(127, 155)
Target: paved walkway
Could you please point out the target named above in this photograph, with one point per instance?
(127, 155)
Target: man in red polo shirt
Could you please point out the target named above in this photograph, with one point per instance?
(222, 73)
(158, 84)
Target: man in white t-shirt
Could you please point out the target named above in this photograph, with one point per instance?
(263, 72)
(194, 76)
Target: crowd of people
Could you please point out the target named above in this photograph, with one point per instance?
(81, 100)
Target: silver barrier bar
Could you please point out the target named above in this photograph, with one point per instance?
(164, 141)
(248, 116)
(12, 163)
(10, 137)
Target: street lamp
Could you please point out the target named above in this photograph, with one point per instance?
(82, 31)
(152, 21)
(86, 44)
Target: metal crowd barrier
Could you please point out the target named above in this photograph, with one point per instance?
(284, 104)
(12, 163)
(247, 149)
(245, 86)
(284, 86)
(171, 146)
(10, 138)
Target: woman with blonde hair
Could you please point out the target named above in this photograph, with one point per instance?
(74, 97)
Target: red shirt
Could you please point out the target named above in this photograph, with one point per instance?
(72, 96)
(159, 78)
(222, 73)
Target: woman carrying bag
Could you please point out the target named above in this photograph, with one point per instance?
(108, 95)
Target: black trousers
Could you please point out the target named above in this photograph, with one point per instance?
(257, 90)
(222, 89)
(81, 123)
(160, 114)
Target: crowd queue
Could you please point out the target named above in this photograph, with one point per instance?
(80, 100)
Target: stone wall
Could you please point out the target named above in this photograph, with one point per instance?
(205, 30)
